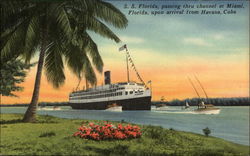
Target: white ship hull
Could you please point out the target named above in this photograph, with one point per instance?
(207, 111)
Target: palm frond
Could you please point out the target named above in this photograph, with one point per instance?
(60, 15)
(78, 62)
(110, 14)
(86, 43)
(75, 59)
(92, 50)
(93, 24)
(13, 44)
(54, 68)
(103, 10)
(89, 72)
(31, 39)
(13, 13)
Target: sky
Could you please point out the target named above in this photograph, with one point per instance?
(167, 49)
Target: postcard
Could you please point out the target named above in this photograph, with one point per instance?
(164, 77)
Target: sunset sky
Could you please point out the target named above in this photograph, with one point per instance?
(167, 49)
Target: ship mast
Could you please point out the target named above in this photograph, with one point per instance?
(201, 86)
(87, 83)
(129, 60)
(78, 83)
(194, 87)
(125, 46)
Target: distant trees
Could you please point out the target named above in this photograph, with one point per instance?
(234, 101)
(13, 72)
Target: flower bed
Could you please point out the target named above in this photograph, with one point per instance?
(108, 131)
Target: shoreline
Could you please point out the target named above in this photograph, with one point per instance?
(171, 118)
(155, 140)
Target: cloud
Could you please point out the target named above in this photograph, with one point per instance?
(196, 41)
(218, 37)
(128, 39)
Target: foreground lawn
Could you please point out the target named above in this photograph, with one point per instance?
(53, 136)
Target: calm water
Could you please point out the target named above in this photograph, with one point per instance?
(231, 124)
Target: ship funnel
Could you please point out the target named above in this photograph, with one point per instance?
(107, 79)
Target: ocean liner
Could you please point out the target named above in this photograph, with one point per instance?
(129, 95)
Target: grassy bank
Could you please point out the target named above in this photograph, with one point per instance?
(52, 135)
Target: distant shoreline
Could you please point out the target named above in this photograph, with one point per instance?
(244, 101)
(24, 105)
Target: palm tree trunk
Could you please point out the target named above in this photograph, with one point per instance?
(30, 114)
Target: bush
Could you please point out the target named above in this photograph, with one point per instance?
(172, 129)
(108, 131)
(154, 132)
(206, 131)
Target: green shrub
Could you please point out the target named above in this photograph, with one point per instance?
(206, 131)
(172, 129)
(154, 132)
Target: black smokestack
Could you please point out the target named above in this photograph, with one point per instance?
(107, 79)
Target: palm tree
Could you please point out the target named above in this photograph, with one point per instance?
(58, 32)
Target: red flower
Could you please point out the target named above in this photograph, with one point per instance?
(108, 131)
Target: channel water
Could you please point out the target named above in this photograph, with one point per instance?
(232, 123)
